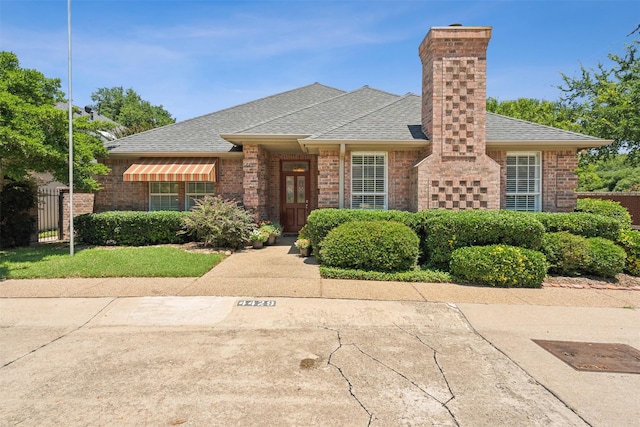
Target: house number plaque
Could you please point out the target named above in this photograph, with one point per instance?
(256, 303)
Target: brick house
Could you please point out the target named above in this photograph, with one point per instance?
(321, 147)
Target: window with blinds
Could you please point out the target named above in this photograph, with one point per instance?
(524, 182)
(369, 180)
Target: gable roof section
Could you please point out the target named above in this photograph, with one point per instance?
(503, 131)
(391, 122)
(202, 134)
(316, 113)
(325, 115)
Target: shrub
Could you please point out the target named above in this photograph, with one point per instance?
(579, 223)
(371, 245)
(219, 223)
(321, 221)
(629, 240)
(607, 258)
(131, 228)
(566, 253)
(608, 208)
(450, 230)
(499, 265)
(416, 275)
(16, 223)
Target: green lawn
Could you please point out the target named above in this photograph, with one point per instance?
(54, 261)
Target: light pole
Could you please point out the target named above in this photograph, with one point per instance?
(71, 231)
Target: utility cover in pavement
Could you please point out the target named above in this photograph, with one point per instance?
(595, 357)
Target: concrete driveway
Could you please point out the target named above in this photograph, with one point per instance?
(315, 352)
(208, 361)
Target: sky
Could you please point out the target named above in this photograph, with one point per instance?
(197, 57)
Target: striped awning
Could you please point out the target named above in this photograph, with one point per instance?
(172, 169)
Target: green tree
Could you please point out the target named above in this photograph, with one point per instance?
(129, 110)
(34, 134)
(543, 112)
(606, 103)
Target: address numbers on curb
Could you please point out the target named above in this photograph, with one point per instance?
(256, 303)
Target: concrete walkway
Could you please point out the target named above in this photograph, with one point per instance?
(320, 352)
(279, 271)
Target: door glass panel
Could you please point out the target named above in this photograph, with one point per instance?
(301, 193)
(290, 189)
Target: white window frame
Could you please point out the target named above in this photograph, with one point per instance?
(162, 194)
(524, 193)
(190, 195)
(378, 193)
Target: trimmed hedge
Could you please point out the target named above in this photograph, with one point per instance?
(608, 208)
(629, 240)
(607, 258)
(371, 245)
(321, 221)
(566, 253)
(573, 255)
(451, 230)
(131, 228)
(579, 223)
(499, 265)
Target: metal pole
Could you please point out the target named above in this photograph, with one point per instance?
(71, 231)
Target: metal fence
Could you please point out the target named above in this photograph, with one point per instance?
(48, 214)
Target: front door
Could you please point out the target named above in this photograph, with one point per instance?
(295, 195)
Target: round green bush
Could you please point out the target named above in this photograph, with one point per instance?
(629, 240)
(451, 230)
(608, 208)
(607, 258)
(499, 265)
(371, 245)
(566, 253)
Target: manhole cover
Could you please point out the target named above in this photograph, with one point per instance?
(595, 357)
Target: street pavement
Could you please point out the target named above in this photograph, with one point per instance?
(262, 340)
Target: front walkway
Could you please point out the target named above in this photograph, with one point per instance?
(279, 271)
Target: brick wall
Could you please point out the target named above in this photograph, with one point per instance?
(630, 200)
(328, 178)
(117, 194)
(558, 179)
(83, 203)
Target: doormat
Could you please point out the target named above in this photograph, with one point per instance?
(595, 357)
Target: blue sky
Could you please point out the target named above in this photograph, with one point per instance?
(196, 57)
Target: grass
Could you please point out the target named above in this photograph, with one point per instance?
(54, 261)
(418, 275)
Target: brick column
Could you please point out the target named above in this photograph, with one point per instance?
(82, 204)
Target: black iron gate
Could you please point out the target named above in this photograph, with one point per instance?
(48, 214)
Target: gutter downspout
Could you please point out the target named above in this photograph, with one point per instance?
(341, 178)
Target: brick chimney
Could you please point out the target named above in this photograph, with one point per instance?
(457, 174)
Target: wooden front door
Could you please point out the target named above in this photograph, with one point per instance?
(294, 200)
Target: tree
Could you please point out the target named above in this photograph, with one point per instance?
(129, 110)
(34, 134)
(543, 112)
(606, 104)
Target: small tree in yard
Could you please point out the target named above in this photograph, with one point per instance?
(219, 223)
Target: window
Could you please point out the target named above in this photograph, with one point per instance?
(368, 180)
(196, 190)
(163, 196)
(523, 181)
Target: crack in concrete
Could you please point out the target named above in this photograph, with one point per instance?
(444, 377)
(330, 363)
(61, 336)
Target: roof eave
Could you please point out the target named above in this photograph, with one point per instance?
(313, 146)
(548, 144)
(259, 138)
(221, 154)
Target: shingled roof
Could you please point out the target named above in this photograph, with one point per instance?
(319, 112)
